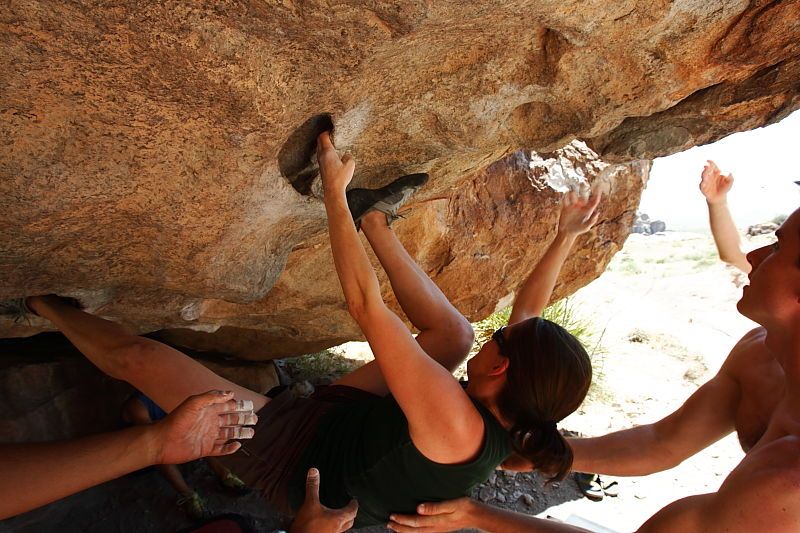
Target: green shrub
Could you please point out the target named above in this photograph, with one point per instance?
(313, 366)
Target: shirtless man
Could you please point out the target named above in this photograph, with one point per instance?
(756, 393)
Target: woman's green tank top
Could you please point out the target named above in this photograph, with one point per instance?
(363, 450)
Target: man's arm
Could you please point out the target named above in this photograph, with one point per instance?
(577, 217)
(759, 495)
(707, 416)
(715, 186)
(465, 513)
(35, 474)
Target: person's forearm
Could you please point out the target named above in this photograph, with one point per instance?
(359, 283)
(34, 474)
(631, 452)
(494, 520)
(535, 293)
(726, 236)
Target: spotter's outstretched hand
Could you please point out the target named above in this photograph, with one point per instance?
(336, 173)
(436, 517)
(714, 184)
(204, 425)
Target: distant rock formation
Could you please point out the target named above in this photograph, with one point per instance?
(765, 228)
(643, 224)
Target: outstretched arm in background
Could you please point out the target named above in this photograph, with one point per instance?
(34, 474)
(715, 186)
(577, 216)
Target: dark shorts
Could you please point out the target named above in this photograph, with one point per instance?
(153, 410)
(286, 426)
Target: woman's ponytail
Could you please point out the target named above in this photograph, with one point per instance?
(548, 376)
(543, 445)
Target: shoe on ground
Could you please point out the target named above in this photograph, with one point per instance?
(589, 485)
(234, 484)
(193, 506)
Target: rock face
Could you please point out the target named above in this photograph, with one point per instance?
(156, 157)
(477, 245)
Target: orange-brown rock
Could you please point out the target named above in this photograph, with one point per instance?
(155, 157)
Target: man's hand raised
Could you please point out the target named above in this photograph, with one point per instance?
(713, 184)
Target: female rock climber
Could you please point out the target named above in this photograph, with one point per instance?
(401, 429)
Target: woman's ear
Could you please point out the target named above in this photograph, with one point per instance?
(499, 367)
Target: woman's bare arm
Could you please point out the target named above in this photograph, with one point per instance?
(577, 216)
(445, 426)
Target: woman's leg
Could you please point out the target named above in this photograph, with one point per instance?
(164, 374)
(444, 334)
(218, 468)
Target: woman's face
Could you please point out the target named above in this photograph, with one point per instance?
(487, 358)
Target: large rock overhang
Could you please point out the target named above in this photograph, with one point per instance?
(156, 158)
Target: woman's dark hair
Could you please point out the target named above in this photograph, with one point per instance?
(548, 376)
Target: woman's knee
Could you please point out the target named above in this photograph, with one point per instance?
(461, 337)
(465, 335)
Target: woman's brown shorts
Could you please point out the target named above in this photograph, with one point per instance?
(286, 425)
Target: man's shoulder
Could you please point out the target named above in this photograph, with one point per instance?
(752, 340)
(750, 350)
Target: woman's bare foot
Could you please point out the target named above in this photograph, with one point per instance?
(38, 305)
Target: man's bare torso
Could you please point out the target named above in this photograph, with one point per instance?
(761, 383)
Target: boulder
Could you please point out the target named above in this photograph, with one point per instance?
(657, 226)
(482, 241)
(157, 157)
(765, 228)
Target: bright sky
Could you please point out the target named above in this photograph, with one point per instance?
(764, 163)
